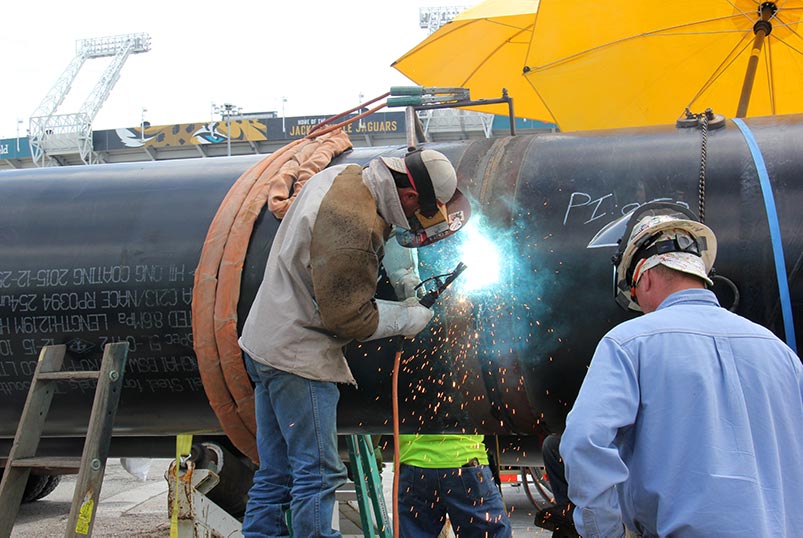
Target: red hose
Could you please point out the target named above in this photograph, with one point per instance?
(396, 462)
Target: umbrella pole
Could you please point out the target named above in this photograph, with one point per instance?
(762, 29)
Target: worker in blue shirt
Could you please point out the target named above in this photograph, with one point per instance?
(689, 422)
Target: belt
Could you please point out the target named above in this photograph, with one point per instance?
(473, 462)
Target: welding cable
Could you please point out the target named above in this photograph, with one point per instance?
(499, 470)
(396, 460)
(349, 111)
(342, 124)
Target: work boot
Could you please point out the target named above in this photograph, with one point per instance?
(557, 518)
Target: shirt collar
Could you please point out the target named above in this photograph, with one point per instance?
(697, 296)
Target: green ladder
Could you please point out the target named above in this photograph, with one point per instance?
(91, 466)
(368, 485)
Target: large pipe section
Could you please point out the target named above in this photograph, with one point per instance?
(96, 254)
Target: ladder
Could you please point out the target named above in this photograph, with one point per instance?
(91, 465)
(368, 485)
(368, 488)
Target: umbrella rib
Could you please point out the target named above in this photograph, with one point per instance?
(638, 36)
(731, 57)
(791, 27)
(491, 54)
(768, 57)
(788, 45)
(543, 102)
(743, 13)
(734, 54)
(435, 37)
(447, 31)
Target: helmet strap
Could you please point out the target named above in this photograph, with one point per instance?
(650, 248)
(421, 182)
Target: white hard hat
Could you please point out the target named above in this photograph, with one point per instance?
(427, 167)
(658, 234)
(443, 208)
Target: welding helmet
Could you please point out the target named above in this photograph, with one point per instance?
(656, 233)
(443, 208)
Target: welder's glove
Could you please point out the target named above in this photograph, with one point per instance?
(405, 282)
(405, 318)
(401, 266)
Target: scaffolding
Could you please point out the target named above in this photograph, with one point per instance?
(51, 134)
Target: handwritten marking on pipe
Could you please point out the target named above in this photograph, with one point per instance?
(588, 201)
(583, 202)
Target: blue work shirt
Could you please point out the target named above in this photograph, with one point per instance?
(689, 423)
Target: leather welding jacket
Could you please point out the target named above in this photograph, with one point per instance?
(317, 293)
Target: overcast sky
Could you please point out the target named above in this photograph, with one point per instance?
(319, 55)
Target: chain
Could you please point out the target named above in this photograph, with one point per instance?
(704, 129)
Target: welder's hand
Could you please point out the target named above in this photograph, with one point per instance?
(420, 316)
(404, 318)
(405, 286)
(401, 266)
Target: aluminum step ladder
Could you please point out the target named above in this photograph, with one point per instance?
(91, 466)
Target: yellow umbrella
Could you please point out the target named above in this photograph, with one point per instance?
(601, 64)
(483, 49)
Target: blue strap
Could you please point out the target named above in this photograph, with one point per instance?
(775, 233)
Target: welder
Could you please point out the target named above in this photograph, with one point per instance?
(316, 296)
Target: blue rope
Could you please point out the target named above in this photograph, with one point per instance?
(775, 233)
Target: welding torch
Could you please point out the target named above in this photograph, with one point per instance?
(431, 296)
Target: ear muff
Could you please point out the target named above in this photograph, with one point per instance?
(422, 183)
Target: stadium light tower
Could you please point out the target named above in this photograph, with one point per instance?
(19, 122)
(53, 135)
(142, 125)
(432, 18)
(226, 111)
(284, 100)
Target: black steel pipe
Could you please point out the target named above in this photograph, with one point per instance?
(97, 254)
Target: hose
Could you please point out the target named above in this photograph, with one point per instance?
(396, 461)
(349, 111)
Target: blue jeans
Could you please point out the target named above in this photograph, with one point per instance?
(468, 494)
(555, 470)
(299, 465)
